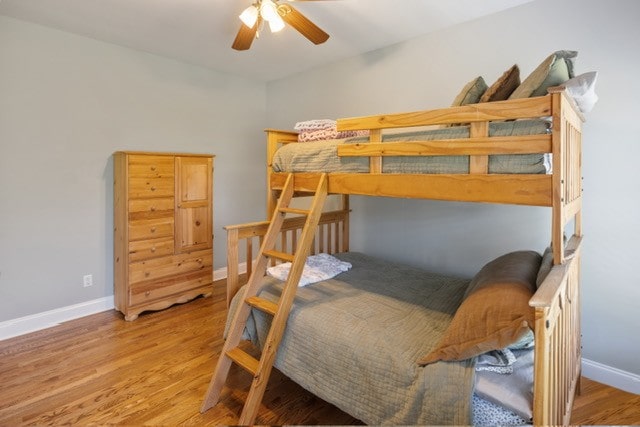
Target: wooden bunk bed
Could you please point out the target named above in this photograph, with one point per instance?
(556, 302)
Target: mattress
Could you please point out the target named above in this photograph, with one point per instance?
(354, 341)
(321, 156)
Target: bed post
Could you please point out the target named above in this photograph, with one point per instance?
(558, 352)
(274, 139)
(345, 223)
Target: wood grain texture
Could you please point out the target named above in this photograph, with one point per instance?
(499, 110)
(102, 370)
(518, 189)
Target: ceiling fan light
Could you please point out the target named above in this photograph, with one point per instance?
(249, 16)
(268, 10)
(276, 24)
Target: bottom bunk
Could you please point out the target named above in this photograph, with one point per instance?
(356, 340)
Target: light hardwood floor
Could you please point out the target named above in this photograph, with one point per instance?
(155, 371)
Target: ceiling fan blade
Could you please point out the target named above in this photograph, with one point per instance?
(301, 23)
(245, 36)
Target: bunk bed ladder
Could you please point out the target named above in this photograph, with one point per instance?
(231, 352)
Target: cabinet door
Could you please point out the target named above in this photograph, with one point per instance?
(194, 219)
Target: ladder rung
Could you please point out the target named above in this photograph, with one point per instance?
(280, 255)
(263, 305)
(295, 211)
(244, 359)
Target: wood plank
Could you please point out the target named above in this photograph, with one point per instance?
(246, 361)
(486, 111)
(524, 189)
(375, 163)
(279, 255)
(263, 305)
(451, 147)
(479, 164)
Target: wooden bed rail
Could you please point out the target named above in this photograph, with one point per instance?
(332, 236)
(558, 353)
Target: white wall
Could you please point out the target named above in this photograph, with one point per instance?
(66, 104)
(459, 238)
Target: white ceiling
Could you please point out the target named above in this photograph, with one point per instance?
(200, 32)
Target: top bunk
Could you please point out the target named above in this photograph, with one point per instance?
(477, 138)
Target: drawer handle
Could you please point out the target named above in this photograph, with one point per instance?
(199, 260)
(153, 168)
(197, 223)
(153, 188)
(153, 229)
(152, 209)
(147, 293)
(153, 249)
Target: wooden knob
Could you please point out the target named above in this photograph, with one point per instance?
(153, 229)
(153, 249)
(146, 274)
(153, 168)
(153, 188)
(199, 260)
(147, 293)
(152, 209)
(197, 223)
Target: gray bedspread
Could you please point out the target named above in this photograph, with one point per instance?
(354, 341)
(322, 156)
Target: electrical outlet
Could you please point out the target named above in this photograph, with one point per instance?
(87, 280)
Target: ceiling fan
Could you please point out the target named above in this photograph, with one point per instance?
(276, 15)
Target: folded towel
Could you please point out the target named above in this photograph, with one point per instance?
(324, 129)
(316, 124)
(316, 268)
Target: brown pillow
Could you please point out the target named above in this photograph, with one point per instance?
(519, 267)
(495, 312)
(504, 86)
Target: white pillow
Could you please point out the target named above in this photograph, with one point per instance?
(582, 90)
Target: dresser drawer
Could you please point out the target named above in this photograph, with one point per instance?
(145, 249)
(151, 208)
(146, 292)
(151, 228)
(143, 166)
(144, 188)
(164, 267)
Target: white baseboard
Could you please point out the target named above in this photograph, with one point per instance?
(35, 322)
(47, 319)
(221, 273)
(613, 377)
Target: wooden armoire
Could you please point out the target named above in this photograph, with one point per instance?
(163, 229)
